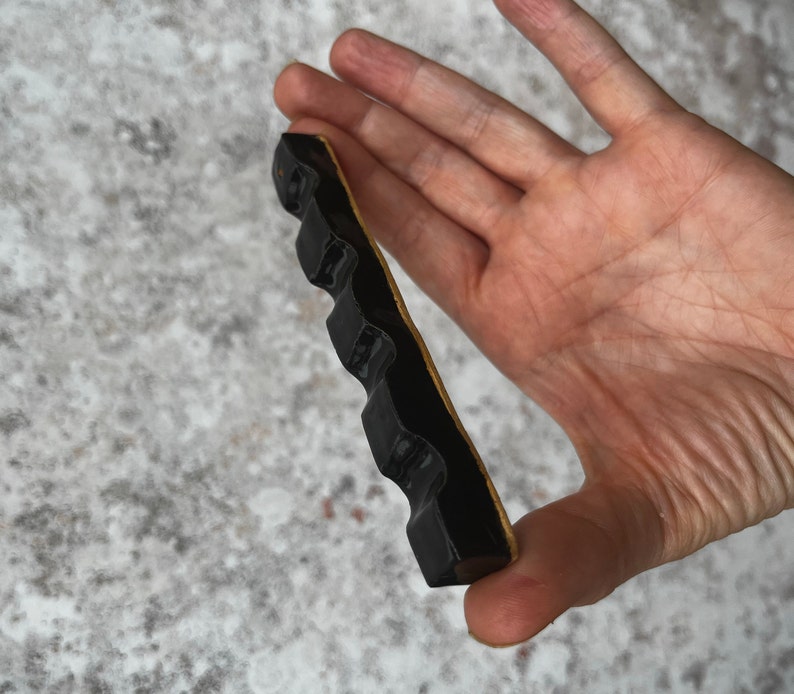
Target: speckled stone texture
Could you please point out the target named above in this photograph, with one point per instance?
(188, 501)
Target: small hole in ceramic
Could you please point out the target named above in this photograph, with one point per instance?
(294, 190)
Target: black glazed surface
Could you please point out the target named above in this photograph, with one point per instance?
(457, 527)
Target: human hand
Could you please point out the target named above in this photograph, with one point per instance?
(643, 294)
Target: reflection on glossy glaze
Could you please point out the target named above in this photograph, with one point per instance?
(457, 529)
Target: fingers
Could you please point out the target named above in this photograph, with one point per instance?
(453, 182)
(500, 136)
(572, 552)
(609, 84)
(443, 258)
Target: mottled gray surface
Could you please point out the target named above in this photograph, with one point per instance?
(188, 502)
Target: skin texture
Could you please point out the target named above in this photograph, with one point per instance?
(643, 294)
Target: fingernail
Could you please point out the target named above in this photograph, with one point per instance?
(493, 645)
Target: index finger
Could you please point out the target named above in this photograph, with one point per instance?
(616, 91)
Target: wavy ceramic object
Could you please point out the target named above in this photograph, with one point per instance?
(458, 529)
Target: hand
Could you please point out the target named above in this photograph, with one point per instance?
(643, 295)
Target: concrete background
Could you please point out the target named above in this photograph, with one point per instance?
(187, 499)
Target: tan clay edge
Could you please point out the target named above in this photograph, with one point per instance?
(431, 367)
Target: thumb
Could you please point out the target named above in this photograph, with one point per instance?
(572, 552)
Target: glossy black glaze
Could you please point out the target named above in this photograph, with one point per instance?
(457, 527)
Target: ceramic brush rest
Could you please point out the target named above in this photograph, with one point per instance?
(457, 528)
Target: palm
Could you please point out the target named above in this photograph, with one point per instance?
(627, 323)
(613, 247)
(638, 294)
